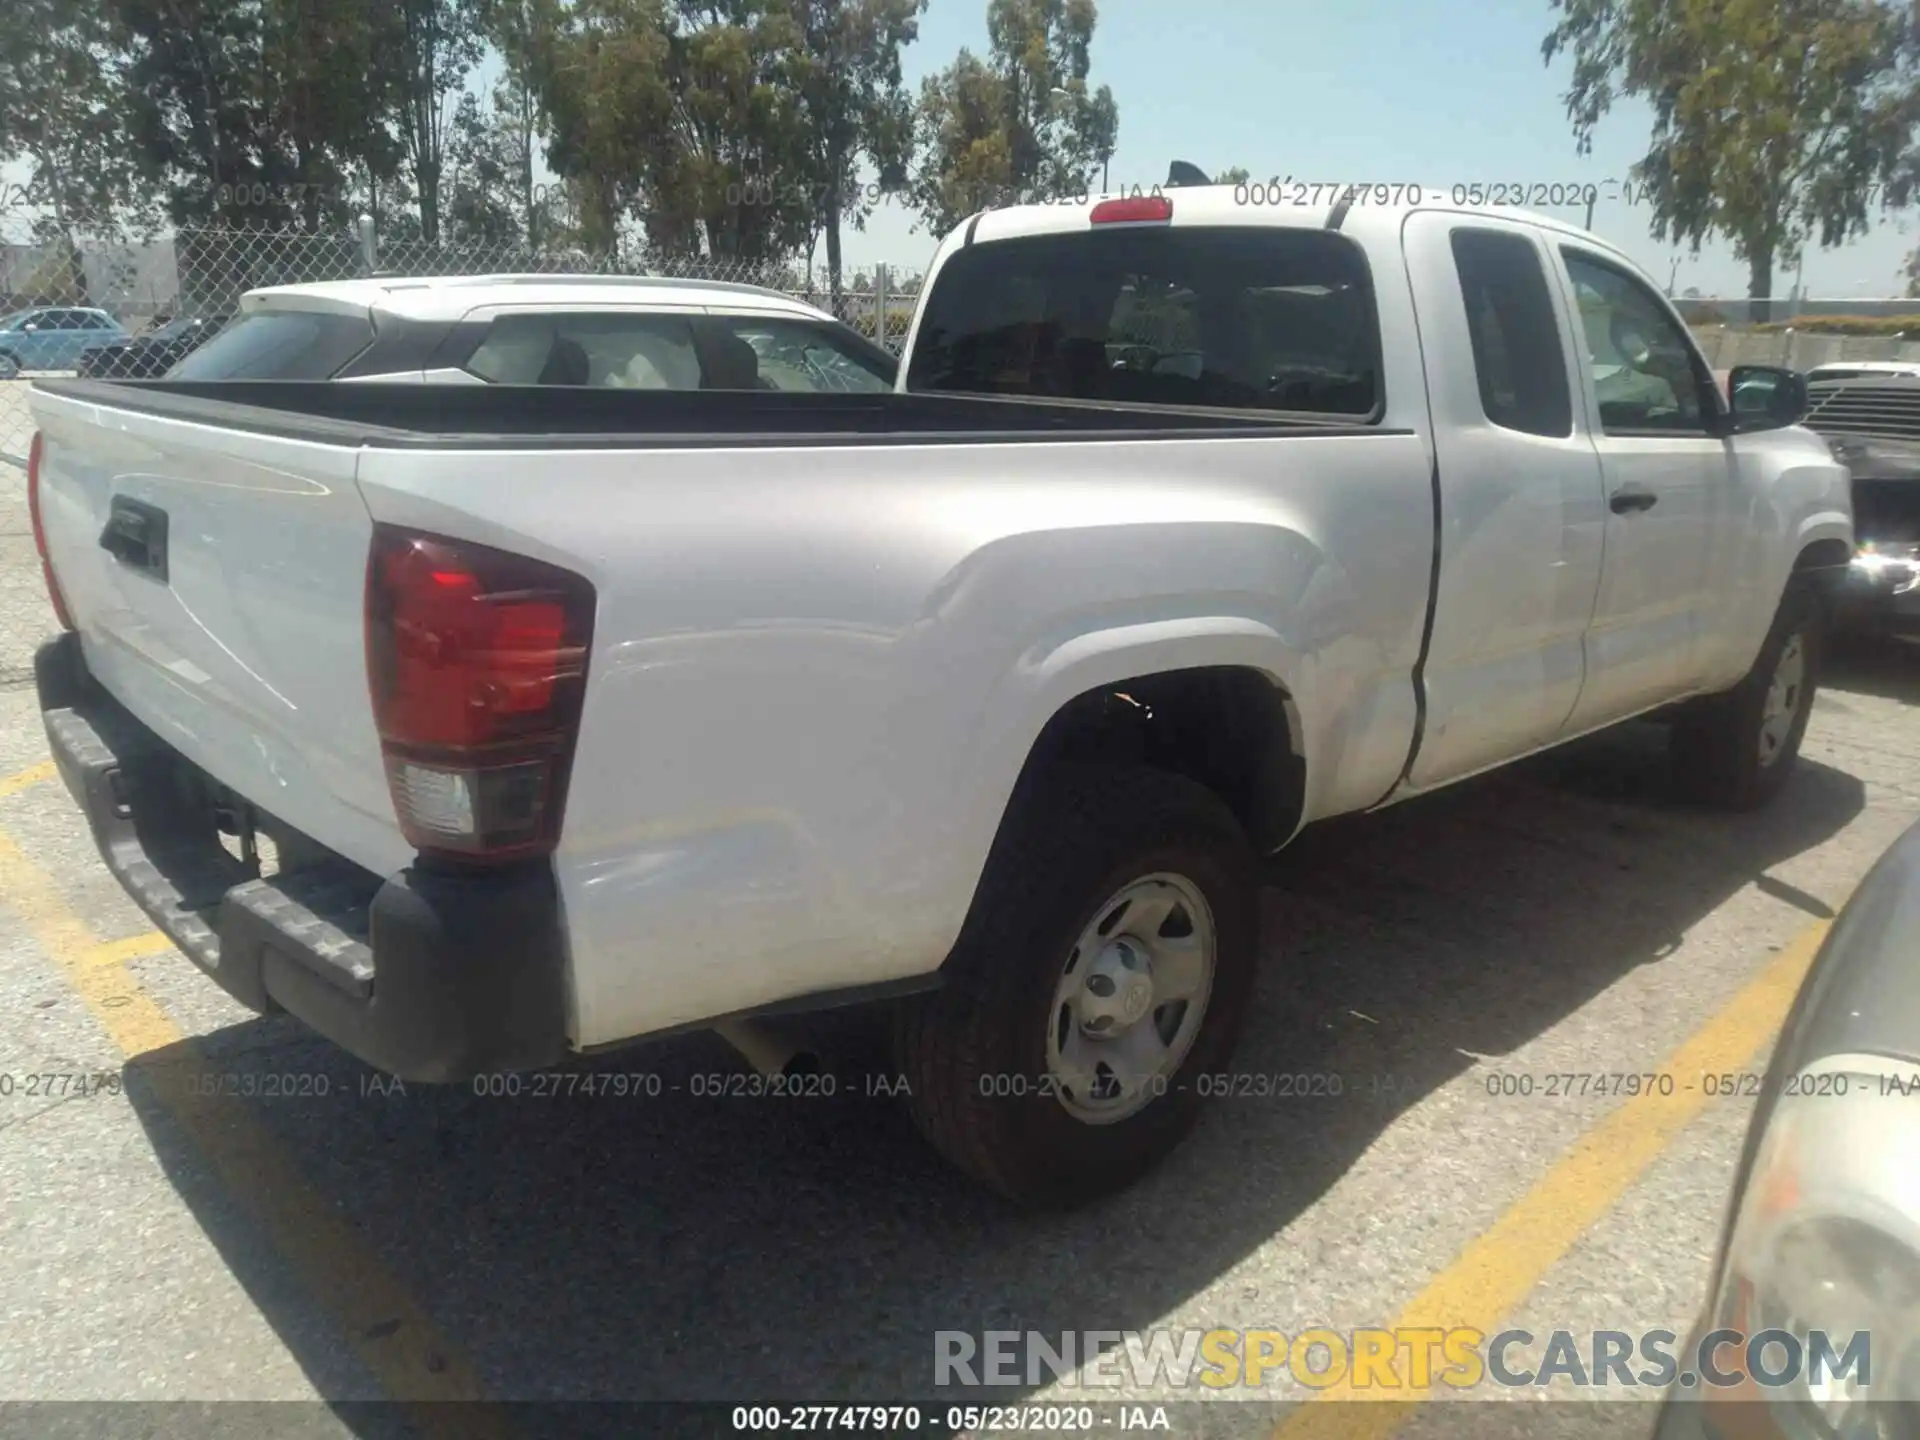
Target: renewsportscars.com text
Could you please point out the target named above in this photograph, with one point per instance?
(1408, 1358)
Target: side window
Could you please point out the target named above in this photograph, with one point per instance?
(279, 345)
(1517, 354)
(1644, 373)
(611, 349)
(797, 355)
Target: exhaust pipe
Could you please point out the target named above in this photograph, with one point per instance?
(773, 1051)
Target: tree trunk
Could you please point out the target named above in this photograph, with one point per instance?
(305, 164)
(427, 176)
(1760, 285)
(835, 169)
(526, 181)
(833, 248)
(70, 260)
(211, 96)
(604, 230)
(213, 145)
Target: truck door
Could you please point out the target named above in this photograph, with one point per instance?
(1667, 474)
(1522, 509)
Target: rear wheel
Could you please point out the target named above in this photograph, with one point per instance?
(1106, 964)
(9, 367)
(1737, 749)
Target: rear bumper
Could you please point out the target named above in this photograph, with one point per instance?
(430, 975)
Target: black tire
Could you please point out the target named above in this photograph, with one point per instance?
(9, 367)
(1716, 743)
(1073, 841)
(59, 678)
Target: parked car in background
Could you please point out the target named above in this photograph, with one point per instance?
(1869, 414)
(601, 331)
(1755, 388)
(143, 357)
(1865, 370)
(52, 337)
(1823, 1231)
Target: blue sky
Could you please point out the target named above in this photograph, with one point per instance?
(1387, 91)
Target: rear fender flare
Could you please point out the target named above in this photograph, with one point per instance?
(1048, 680)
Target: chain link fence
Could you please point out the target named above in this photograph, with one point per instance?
(1726, 347)
(204, 272)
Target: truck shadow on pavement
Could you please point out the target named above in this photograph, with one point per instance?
(1873, 665)
(680, 1248)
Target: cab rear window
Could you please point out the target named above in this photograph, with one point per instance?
(279, 345)
(1226, 317)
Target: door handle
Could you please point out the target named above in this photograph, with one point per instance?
(1625, 502)
(136, 535)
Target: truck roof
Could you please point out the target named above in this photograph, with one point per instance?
(448, 297)
(1205, 205)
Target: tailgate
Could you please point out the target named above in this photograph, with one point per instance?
(216, 578)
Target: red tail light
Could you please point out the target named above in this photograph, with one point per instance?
(1133, 209)
(34, 449)
(477, 660)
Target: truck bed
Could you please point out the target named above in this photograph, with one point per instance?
(390, 416)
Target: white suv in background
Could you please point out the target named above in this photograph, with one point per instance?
(1866, 370)
(602, 331)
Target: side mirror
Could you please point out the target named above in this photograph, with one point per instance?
(1766, 397)
(30, 327)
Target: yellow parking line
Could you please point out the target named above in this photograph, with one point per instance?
(119, 952)
(391, 1333)
(1500, 1268)
(30, 776)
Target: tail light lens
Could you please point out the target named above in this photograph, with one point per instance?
(35, 447)
(477, 661)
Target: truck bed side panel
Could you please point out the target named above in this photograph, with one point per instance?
(817, 671)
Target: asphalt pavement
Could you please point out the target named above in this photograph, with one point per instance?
(216, 1207)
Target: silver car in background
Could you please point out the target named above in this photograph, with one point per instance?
(1823, 1233)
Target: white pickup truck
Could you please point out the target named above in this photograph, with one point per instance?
(576, 715)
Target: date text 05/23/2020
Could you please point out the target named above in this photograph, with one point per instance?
(1281, 191)
(1472, 194)
(1019, 1419)
(1273, 191)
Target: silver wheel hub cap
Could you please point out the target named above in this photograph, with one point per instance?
(1118, 990)
(1130, 999)
(1785, 691)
